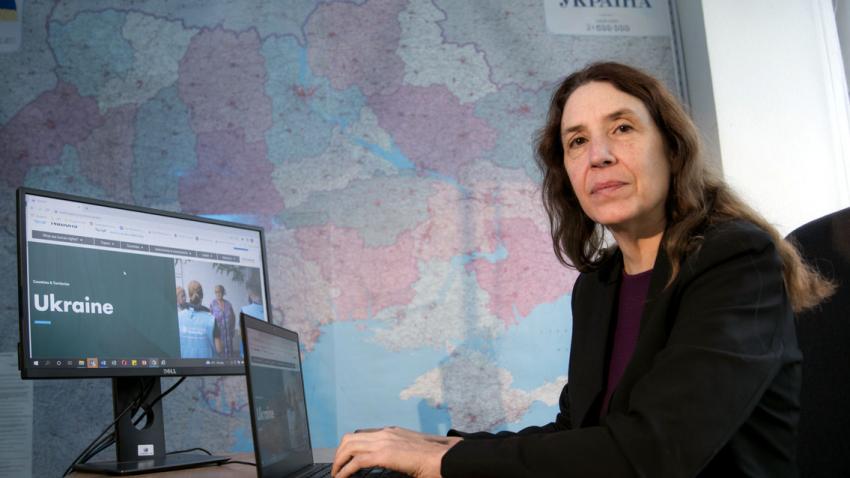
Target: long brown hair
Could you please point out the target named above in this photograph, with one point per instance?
(698, 197)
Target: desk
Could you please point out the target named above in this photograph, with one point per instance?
(232, 470)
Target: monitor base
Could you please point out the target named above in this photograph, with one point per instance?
(169, 462)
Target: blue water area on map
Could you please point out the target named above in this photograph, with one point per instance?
(353, 383)
(537, 349)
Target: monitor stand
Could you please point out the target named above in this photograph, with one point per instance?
(142, 450)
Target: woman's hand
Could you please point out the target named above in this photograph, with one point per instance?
(407, 451)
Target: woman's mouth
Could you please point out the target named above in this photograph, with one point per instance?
(606, 186)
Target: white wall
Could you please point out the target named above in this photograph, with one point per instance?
(780, 99)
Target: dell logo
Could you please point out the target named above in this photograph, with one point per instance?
(605, 3)
(169, 371)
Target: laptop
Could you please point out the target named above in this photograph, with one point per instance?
(278, 406)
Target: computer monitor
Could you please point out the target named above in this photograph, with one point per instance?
(111, 290)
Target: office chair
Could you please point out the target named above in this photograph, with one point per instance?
(824, 333)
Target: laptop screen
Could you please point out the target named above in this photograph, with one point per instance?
(276, 393)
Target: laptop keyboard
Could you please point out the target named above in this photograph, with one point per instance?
(318, 471)
(325, 471)
(379, 473)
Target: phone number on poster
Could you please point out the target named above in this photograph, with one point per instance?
(607, 28)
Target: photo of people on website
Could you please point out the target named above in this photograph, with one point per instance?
(209, 298)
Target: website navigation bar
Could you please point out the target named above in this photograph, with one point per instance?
(132, 246)
(89, 225)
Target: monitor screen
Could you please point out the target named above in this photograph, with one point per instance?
(109, 290)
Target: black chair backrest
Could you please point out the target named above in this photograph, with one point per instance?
(824, 334)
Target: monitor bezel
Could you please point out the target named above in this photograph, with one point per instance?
(30, 372)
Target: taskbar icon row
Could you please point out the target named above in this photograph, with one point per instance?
(94, 362)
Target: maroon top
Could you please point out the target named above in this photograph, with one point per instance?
(633, 290)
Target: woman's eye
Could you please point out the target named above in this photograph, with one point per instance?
(624, 128)
(577, 142)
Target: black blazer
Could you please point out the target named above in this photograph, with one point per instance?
(711, 390)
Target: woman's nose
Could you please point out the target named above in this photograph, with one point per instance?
(600, 153)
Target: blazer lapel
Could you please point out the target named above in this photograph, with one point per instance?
(595, 345)
(657, 283)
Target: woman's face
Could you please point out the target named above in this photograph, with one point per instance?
(219, 294)
(616, 160)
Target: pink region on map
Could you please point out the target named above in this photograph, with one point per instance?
(36, 135)
(365, 279)
(222, 80)
(302, 304)
(354, 45)
(432, 128)
(455, 225)
(528, 277)
(220, 185)
(106, 156)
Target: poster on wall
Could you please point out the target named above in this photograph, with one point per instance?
(10, 25)
(608, 17)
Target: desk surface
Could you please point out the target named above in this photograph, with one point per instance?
(320, 455)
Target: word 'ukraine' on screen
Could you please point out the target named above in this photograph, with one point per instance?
(44, 302)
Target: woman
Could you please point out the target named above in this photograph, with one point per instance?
(224, 333)
(684, 358)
